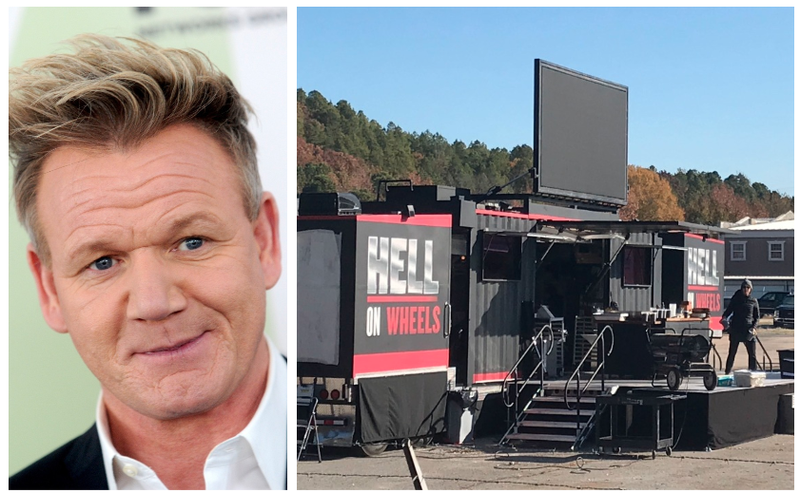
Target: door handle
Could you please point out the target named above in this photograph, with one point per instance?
(448, 313)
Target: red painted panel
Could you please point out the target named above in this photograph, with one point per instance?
(435, 220)
(712, 240)
(380, 298)
(403, 360)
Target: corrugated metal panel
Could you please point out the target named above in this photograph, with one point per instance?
(495, 306)
(635, 298)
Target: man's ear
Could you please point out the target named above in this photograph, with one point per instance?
(266, 233)
(48, 298)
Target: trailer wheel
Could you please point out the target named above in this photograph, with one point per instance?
(674, 378)
(421, 441)
(710, 380)
(374, 449)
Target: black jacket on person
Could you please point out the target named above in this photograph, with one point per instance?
(78, 465)
(745, 316)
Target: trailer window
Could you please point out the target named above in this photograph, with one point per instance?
(501, 258)
(636, 270)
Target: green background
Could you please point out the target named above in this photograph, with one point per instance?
(52, 395)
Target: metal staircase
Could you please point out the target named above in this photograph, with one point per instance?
(555, 416)
(547, 422)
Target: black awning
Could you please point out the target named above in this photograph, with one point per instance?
(597, 229)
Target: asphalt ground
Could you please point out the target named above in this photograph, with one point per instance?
(771, 338)
(765, 464)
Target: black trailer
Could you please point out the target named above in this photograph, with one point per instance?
(497, 259)
(373, 322)
(500, 265)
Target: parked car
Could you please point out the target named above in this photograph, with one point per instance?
(770, 301)
(784, 314)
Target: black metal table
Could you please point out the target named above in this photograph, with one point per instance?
(633, 420)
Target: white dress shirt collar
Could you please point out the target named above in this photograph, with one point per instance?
(253, 459)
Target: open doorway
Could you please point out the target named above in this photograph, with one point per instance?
(567, 282)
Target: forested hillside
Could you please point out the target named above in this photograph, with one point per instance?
(341, 149)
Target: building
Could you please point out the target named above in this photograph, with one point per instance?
(762, 251)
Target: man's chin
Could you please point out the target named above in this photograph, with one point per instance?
(172, 399)
(170, 409)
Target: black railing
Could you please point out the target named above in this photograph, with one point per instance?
(763, 365)
(576, 375)
(513, 375)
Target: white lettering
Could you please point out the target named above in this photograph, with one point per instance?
(378, 265)
(386, 265)
(702, 267)
(714, 275)
(431, 286)
(396, 264)
(373, 321)
(414, 286)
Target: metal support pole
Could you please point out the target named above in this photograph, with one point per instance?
(413, 466)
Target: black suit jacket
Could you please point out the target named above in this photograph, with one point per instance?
(78, 465)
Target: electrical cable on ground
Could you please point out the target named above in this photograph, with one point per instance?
(429, 478)
(723, 459)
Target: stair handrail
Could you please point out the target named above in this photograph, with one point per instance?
(601, 364)
(763, 366)
(513, 371)
(599, 410)
(518, 416)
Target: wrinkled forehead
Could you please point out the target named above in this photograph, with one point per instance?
(81, 187)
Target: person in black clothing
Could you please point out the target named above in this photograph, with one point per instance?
(742, 326)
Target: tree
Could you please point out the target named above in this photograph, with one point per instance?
(727, 205)
(650, 197)
(521, 161)
(741, 186)
(315, 177)
(366, 148)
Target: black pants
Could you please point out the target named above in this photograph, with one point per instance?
(751, 354)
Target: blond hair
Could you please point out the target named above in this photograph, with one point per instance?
(113, 94)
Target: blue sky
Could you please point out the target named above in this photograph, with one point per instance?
(710, 89)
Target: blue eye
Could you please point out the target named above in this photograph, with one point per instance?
(103, 263)
(191, 244)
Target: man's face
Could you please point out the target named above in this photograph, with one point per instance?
(156, 271)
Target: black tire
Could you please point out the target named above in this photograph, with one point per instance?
(374, 449)
(710, 380)
(669, 451)
(420, 442)
(674, 378)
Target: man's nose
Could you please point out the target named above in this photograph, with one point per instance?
(153, 292)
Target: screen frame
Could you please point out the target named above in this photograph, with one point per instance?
(540, 188)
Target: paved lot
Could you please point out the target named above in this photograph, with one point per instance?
(772, 339)
(766, 464)
(763, 464)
